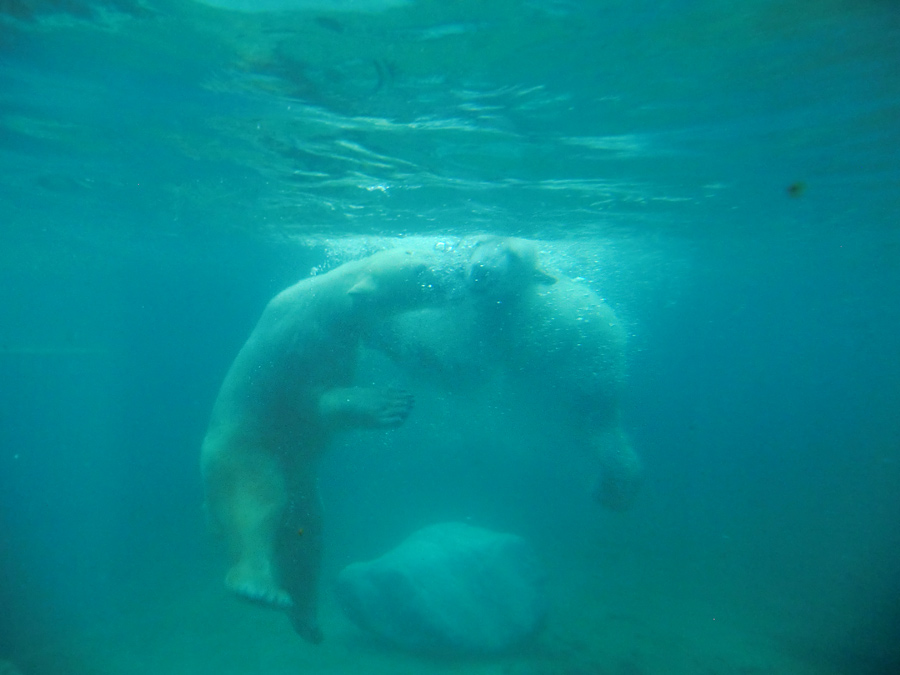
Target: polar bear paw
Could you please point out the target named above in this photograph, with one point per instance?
(257, 587)
(307, 626)
(388, 407)
(365, 407)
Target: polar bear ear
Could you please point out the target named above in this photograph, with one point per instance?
(363, 288)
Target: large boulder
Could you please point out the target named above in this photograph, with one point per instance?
(449, 588)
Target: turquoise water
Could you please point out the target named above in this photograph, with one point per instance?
(726, 175)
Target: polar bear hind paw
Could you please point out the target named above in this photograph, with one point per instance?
(307, 627)
(256, 588)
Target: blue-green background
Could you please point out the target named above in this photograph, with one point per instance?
(725, 174)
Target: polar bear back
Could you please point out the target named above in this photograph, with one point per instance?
(567, 337)
(306, 343)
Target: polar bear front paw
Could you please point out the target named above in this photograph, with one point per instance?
(389, 407)
(365, 407)
(256, 587)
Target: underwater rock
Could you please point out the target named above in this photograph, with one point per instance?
(449, 588)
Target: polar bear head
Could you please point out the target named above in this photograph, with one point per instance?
(396, 280)
(502, 267)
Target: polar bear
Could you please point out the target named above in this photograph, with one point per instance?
(558, 332)
(552, 336)
(290, 388)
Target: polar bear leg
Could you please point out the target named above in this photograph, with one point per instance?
(299, 558)
(364, 407)
(248, 500)
(621, 471)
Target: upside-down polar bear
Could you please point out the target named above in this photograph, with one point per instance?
(553, 336)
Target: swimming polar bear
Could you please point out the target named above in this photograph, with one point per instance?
(553, 337)
(562, 336)
(290, 388)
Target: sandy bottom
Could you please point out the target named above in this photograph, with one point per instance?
(636, 623)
